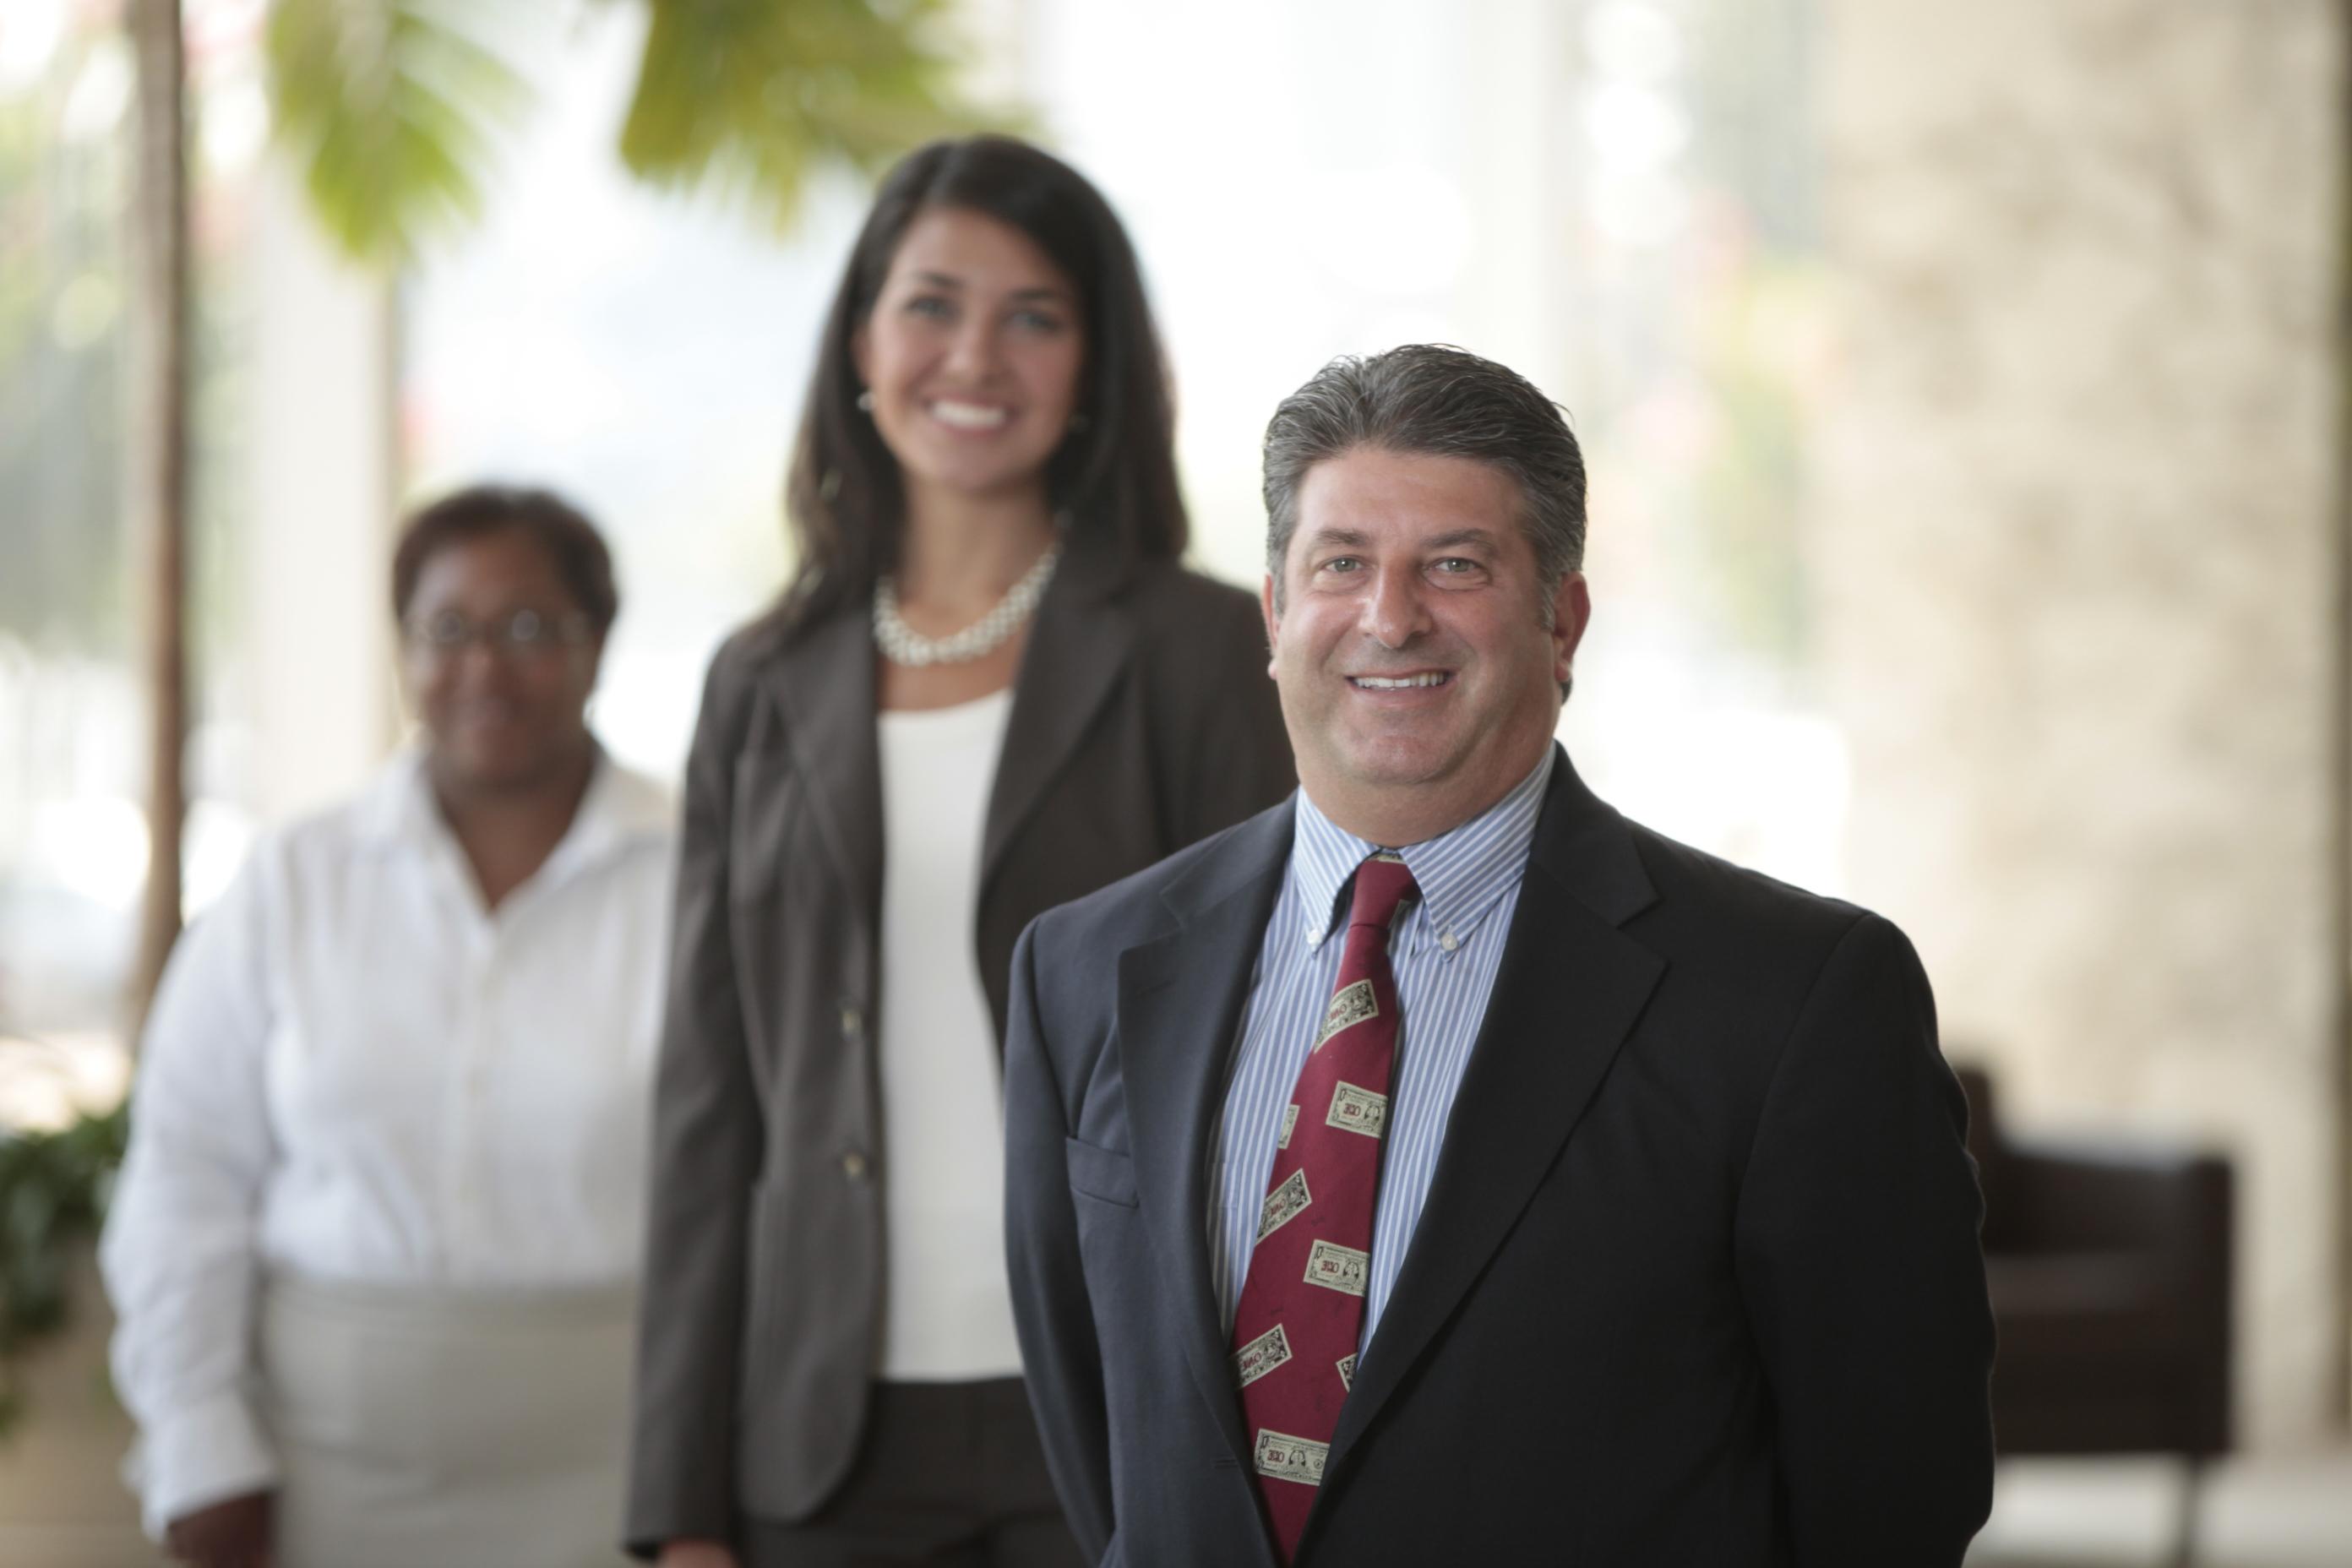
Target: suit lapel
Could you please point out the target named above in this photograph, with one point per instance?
(1079, 647)
(1180, 1007)
(1570, 989)
(824, 681)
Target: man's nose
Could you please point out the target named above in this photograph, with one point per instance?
(1397, 611)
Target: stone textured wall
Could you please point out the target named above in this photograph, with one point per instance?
(2074, 532)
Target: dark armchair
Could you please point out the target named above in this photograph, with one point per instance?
(2110, 1272)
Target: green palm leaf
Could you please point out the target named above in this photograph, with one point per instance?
(392, 106)
(754, 95)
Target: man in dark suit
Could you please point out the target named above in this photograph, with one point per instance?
(1438, 1167)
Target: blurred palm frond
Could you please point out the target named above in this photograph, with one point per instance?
(391, 107)
(755, 95)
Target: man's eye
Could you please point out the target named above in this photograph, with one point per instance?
(1342, 564)
(1456, 566)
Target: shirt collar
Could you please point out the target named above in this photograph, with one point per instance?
(622, 808)
(1461, 873)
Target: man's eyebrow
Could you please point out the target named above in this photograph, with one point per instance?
(1345, 537)
(1459, 537)
(1356, 539)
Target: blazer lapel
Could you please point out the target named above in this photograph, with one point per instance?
(1079, 647)
(1570, 989)
(1179, 1006)
(824, 681)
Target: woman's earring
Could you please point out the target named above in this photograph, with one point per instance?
(866, 400)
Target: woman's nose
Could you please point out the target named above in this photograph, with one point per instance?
(972, 350)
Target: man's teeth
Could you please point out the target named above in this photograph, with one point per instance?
(1377, 683)
(969, 415)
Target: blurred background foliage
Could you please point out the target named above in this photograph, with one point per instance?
(53, 1191)
(394, 108)
(62, 206)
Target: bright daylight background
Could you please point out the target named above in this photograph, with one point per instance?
(1959, 390)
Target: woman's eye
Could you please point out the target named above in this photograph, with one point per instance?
(1042, 323)
(930, 306)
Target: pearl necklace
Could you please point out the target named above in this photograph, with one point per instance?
(902, 643)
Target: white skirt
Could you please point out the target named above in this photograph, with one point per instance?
(420, 1425)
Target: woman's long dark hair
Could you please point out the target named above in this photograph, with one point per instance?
(1115, 473)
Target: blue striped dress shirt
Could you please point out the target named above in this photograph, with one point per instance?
(1445, 952)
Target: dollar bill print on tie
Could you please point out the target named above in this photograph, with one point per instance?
(1337, 1268)
(1350, 1005)
(1282, 1457)
(1283, 1205)
(1355, 1110)
(1347, 1365)
(1289, 1120)
(1260, 1356)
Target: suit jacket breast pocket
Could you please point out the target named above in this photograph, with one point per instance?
(1100, 1173)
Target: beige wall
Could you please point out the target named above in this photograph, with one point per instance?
(2076, 522)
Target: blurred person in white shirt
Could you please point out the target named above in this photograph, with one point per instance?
(372, 1250)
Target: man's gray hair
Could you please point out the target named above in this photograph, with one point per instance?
(1434, 400)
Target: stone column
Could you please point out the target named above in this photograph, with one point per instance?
(316, 681)
(2075, 530)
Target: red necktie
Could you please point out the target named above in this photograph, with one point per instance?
(1302, 1306)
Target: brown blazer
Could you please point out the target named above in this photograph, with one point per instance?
(1142, 719)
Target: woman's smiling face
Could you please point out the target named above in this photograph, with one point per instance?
(971, 354)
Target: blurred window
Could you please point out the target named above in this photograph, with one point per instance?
(73, 841)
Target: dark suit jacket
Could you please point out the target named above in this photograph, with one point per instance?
(1697, 1284)
(1142, 718)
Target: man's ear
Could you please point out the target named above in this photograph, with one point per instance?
(1571, 612)
(1273, 618)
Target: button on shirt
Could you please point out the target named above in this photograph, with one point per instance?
(354, 1071)
(1444, 951)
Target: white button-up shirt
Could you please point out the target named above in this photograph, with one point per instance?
(354, 1071)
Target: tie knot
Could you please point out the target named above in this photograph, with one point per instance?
(1382, 882)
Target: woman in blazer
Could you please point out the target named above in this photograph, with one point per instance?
(989, 690)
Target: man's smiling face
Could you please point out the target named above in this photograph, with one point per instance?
(1419, 678)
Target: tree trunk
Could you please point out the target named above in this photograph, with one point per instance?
(159, 455)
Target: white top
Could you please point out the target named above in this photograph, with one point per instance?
(948, 1302)
(353, 1071)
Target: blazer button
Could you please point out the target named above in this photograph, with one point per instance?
(853, 1165)
(851, 1021)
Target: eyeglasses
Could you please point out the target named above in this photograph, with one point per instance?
(525, 634)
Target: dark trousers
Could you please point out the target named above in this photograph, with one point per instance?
(947, 1473)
